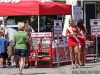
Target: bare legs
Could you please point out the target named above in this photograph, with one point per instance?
(81, 55)
(1, 62)
(21, 64)
(13, 59)
(74, 53)
(27, 60)
(71, 56)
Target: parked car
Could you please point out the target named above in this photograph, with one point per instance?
(16, 27)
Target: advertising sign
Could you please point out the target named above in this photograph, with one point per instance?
(58, 34)
(46, 43)
(95, 26)
(9, 1)
(57, 29)
(77, 13)
(41, 34)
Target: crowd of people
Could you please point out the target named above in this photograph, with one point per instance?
(15, 45)
(76, 41)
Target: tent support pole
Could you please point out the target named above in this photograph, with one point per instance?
(38, 24)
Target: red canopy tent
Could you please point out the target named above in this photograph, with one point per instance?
(34, 7)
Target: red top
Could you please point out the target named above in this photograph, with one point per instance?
(71, 40)
(81, 40)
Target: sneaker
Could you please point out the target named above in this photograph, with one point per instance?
(13, 66)
(26, 66)
(17, 66)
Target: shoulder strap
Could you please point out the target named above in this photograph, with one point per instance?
(81, 32)
(70, 30)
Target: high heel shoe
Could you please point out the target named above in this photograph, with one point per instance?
(80, 64)
(83, 64)
(76, 66)
(72, 66)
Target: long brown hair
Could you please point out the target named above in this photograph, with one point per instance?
(80, 24)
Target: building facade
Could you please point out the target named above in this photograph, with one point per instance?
(91, 10)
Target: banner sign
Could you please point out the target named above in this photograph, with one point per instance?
(58, 37)
(95, 26)
(41, 34)
(77, 12)
(9, 1)
(57, 28)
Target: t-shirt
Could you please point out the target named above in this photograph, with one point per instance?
(2, 29)
(21, 38)
(3, 45)
(5, 28)
(10, 33)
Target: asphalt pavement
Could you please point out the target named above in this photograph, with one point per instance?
(89, 68)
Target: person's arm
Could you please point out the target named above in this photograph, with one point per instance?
(6, 33)
(78, 33)
(13, 40)
(85, 29)
(7, 44)
(67, 33)
(29, 41)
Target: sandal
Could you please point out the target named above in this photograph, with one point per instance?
(76, 66)
(72, 66)
(80, 64)
(83, 64)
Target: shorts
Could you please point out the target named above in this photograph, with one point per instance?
(21, 52)
(27, 53)
(4, 55)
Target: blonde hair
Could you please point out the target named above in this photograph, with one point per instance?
(72, 20)
(20, 25)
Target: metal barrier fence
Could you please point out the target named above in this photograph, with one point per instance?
(90, 51)
(64, 52)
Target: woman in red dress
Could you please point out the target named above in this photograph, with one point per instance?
(72, 42)
(81, 38)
